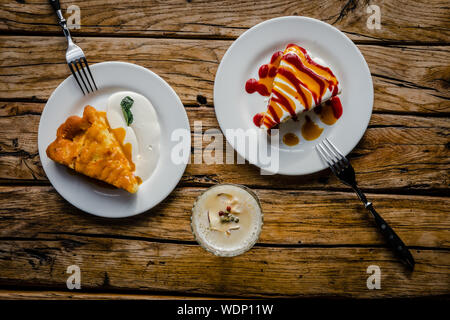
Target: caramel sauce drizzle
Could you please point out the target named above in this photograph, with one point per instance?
(127, 147)
(330, 111)
(326, 114)
(290, 139)
(310, 80)
(310, 130)
(300, 78)
(120, 134)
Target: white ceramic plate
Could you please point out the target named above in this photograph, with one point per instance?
(235, 107)
(68, 100)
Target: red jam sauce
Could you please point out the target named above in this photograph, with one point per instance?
(266, 74)
(303, 79)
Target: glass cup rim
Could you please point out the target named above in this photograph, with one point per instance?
(236, 252)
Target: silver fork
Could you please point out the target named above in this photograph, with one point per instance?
(75, 56)
(342, 169)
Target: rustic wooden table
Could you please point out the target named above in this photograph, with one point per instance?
(317, 239)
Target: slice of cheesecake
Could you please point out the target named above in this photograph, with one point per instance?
(300, 84)
(89, 146)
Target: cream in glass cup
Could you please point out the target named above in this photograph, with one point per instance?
(227, 219)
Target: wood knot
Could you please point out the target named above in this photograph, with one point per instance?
(201, 99)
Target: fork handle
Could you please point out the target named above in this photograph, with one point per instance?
(62, 22)
(55, 4)
(389, 234)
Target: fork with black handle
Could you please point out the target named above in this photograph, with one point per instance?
(342, 169)
(76, 60)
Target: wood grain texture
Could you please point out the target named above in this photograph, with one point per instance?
(118, 264)
(317, 240)
(400, 20)
(413, 79)
(422, 142)
(76, 295)
(292, 217)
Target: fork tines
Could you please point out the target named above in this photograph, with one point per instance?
(332, 156)
(75, 66)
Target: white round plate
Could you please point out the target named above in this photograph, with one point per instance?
(68, 100)
(235, 108)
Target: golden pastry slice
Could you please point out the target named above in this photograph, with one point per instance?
(89, 146)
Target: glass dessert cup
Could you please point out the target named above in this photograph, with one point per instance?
(227, 219)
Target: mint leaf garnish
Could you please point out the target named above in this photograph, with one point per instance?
(126, 105)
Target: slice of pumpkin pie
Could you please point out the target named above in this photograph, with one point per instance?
(89, 146)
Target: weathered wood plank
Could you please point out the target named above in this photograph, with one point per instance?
(406, 79)
(263, 271)
(400, 20)
(422, 142)
(75, 295)
(401, 153)
(291, 217)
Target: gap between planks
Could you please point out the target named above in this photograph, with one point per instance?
(383, 43)
(407, 192)
(210, 105)
(194, 243)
